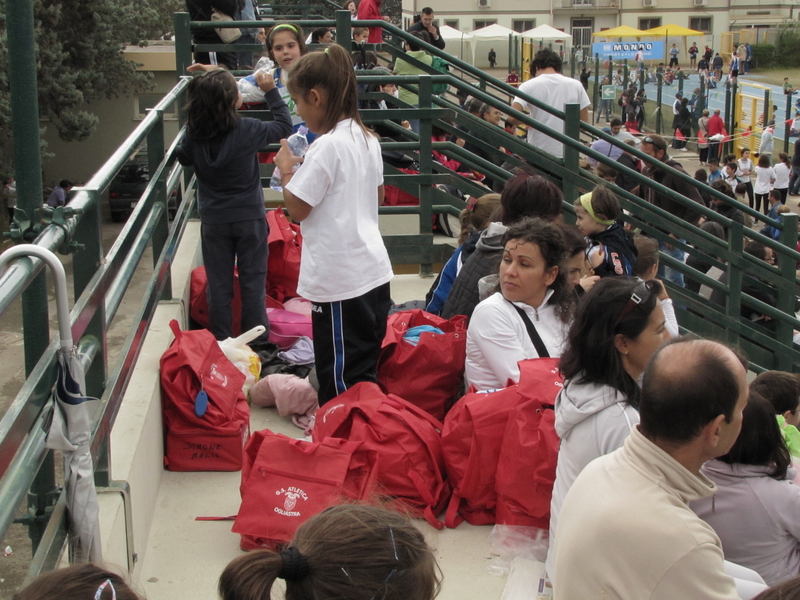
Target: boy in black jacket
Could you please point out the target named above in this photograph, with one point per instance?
(612, 252)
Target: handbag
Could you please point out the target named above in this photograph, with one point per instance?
(430, 373)
(286, 481)
(406, 440)
(206, 416)
(526, 469)
(283, 265)
(226, 34)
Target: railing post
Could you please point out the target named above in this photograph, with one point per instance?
(625, 74)
(787, 298)
(681, 78)
(787, 123)
(426, 168)
(596, 93)
(733, 307)
(767, 110)
(183, 47)
(28, 162)
(611, 70)
(343, 29)
(572, 63)
(572, 128)
(725, 148)
(155, 154)
(659, 107)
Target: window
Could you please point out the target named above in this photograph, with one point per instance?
(700, 24)
(483, 23)
(520, 25)
(648, 23)
(145, 101)
(451, 23)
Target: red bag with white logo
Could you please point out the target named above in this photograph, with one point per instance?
(526, 470)
(198, 301)
(285, 482)
(283, 265)
(475, 433)
(428, 374)
(407, 440)
(206, 416)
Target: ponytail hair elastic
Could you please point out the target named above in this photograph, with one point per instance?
(295, 565)
(471, 203)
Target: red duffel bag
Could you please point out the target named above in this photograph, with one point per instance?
(198, 301)
(206, 416)
(471, 440)
(406, 439)
(428, 374)
(283, 265)
(286, 481)
(527, 466)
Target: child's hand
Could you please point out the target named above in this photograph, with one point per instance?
(597, 258)
(405, 124)
(285, 160)
(587, 283)
(265, 81)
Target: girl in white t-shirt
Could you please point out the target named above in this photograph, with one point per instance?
(335, 194)
(765, 176)
(783, 170)
(745, 167)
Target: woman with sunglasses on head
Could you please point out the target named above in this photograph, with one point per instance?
(528, 316)
(618, 326)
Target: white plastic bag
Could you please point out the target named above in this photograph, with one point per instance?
(248, 87)
(243, 358)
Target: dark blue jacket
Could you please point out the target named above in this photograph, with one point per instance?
(228, 174)
(619, 249)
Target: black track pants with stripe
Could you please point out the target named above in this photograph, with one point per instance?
(347, 340)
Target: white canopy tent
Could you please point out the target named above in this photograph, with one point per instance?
(484, 39)
(457, 43)
(546, 33)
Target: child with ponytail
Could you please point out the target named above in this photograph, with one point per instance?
(349, 551)
(335, 194)
(223, 148)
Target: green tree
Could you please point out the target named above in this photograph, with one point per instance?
(79, 46)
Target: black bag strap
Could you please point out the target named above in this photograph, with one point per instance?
(541, 349)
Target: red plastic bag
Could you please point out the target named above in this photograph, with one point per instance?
(471, 441)
(394, 196)
(204, 431)
(428, 375)
(198, 301)
(527, 466)
(406, 439)
(285, 482)
(283, 265)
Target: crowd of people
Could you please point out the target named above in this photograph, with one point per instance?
(667, 455)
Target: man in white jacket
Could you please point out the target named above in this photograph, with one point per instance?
(626, 530)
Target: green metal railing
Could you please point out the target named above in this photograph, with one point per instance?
(26, 467)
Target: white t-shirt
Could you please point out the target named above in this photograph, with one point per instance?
(764, 177)
(343, 253)
(497, 340)
(555, 90)
(782, 173)
(745, 165)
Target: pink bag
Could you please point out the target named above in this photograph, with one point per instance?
(286, 327)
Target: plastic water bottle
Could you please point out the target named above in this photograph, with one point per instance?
(298, 144)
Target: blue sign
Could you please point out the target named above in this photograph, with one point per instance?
(623, 50)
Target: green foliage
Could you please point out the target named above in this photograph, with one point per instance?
(787, 48)
(763, 56)
(79, 46)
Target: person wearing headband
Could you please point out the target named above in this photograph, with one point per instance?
(350, 551)
(612, 251)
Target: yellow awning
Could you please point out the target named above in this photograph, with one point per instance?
(670, 30)
(621, 31)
